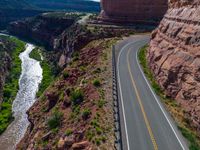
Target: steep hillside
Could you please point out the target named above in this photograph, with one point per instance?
(12, 10)
(75, 112)
(174, 57)
(67, 5)
(43, 28)
(15, 4)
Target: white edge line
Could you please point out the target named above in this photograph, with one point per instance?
(121, 95)
(158, 102)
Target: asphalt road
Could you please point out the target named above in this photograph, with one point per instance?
(145, 123)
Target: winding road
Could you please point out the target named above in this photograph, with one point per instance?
(145, 123)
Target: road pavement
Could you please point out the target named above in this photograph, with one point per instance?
(145, 123)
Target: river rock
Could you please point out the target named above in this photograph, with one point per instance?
(53, 97)
(65, 142)
(80, 145)
(174, 56)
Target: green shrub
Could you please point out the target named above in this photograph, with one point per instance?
(82, 68)
(35, 54)
(190, 137)
(96, 83)
(86, 113)
(98, 130)
(55, 120)
(94, 123)
(68, 132)
(98, 70)
(90, 135)
(76, 109)
(6, 116)
(103, 139)
(65, 74)
(101, 103)
(97, 141)
(76, 96)
(7, 93)
(75, 56)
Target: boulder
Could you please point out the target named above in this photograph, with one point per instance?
(80, 145)
(65, 142)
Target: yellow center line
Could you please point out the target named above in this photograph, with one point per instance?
(141, 106)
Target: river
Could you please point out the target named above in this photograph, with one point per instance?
(31, 77)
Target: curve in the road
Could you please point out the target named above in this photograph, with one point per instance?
(147, 125)
(141, 105)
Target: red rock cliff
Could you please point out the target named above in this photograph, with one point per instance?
(174, 56)
(133, 10)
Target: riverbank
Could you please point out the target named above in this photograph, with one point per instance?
(10, 87)
(48, 67)
(30, 78)
(78, 105)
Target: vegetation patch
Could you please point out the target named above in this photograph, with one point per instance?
(77, 96)
(55, 120)
(86, 113)
(11, 85)
(65, 74)
(47, 68)
(82, 105)
(101, 103)
(36, 54)
(97, 83)
(183, 124)
(68, 132)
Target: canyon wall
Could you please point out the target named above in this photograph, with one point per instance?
(133, 10)
(174, 56)
(43, 28)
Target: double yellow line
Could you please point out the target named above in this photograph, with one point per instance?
(141, 105)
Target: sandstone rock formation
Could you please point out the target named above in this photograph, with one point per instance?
(133, 10)
(174, 56)
(61, 33)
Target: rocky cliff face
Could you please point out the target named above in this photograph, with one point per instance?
(174, 56)
(133, 10)
(61, 32)
(43, 28)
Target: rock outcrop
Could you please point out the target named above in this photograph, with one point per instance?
(131, 11)
(174, 56)
(43, 28)
(61, 32)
